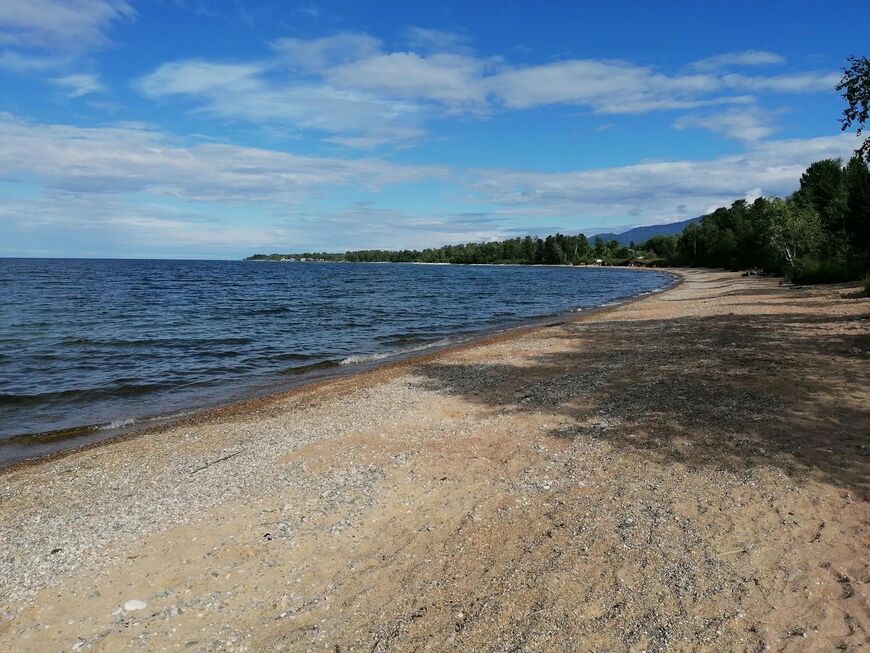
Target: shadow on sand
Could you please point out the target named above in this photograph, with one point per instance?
(729, 392)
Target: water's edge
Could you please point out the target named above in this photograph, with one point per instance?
(59, 443)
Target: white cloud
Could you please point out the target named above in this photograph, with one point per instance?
(131, 157)
(427, 39)
(819, 81)
(79, 84)
(130, 189)
(49, 37)
(605, 86)
(21, 64)
(129, 182)
(745, 124)
(733, 59)
(315, 55)
(360, 95)
(620, 87)
(444, 78)
(200, 77)
(244, 91)
(61, 223)
(658, 190)
(59, 25)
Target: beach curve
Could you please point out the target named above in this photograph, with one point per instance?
(663, 471)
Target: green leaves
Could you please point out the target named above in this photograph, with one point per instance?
(855, 88)
(795, 229)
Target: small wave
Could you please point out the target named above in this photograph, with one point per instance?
(370, 358)
(302, 369)
(275, 310)
(226, 353)
(120, 390)
(152, 342)
(365, 358)
(293, 357)
(116, 424)
(400, 340)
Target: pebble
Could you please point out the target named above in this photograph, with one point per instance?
(135, 604)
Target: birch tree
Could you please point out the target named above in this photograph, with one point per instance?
(795, 229)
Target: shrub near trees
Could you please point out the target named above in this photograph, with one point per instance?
(820, 233)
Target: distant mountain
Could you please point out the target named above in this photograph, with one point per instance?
(642, 234)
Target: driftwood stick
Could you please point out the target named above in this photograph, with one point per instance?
(215, 462)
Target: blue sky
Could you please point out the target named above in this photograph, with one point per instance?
(215, 129)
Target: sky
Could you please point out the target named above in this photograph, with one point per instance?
(217, 129)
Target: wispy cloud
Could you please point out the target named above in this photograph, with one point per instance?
(658, 190)
(244, 91)
(80, 84)
(194, 77)
(360, 94)
(49, 38)
(129, 182)
(749, 124)
(131, 157)
(427, 39)
(607, 87)
(452, 80)
(811, 82)
(66, 25)
(32, 63)
(320, 54)
(736, 59)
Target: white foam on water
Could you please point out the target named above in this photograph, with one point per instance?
(117, 424)
(369, 358)
(365, 358)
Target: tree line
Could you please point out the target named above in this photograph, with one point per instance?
(556, 249)
(819, 233)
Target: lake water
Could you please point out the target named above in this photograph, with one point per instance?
(90, 346)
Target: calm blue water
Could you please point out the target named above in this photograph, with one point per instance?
(99, 343)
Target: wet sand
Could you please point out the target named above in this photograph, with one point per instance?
(684, 473)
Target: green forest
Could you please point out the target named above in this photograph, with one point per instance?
(821, 233)
(557, 249)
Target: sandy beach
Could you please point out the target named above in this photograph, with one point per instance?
(688, 472)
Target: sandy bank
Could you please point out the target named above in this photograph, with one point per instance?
(687, 472)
